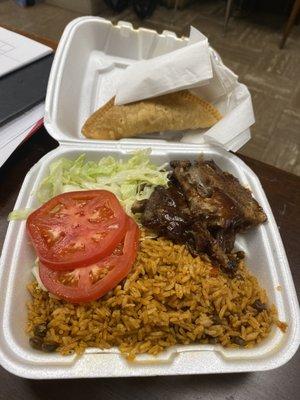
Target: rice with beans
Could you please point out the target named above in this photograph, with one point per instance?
(168, 298)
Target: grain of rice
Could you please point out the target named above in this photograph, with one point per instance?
(168, 298)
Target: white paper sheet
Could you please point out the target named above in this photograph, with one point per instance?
(184, 68)
(17, 50)
(233, 100)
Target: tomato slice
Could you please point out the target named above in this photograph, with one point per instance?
(90, 283)
(76, 229)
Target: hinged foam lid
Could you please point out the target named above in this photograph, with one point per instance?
(90, 59)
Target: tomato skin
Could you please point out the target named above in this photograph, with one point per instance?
(85, 291)
(76, 229)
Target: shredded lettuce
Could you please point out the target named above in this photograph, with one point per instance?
(20, 214)
(35, 272)
(130, 180)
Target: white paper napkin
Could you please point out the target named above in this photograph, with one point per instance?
(198, 67)
(184, 68)
(233, 100)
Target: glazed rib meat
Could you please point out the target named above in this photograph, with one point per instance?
(167, 213)
(217, 195)
(203, 207)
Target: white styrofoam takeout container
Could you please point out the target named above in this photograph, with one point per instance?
(264, 250)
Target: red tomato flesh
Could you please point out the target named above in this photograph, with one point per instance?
(92, 282)
(77, 229)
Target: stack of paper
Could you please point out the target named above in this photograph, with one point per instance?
(16, 131)
(17, 51)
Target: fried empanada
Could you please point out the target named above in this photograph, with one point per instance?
(170, 112)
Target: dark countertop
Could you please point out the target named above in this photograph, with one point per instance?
(283, 192)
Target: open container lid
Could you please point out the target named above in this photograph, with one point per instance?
(90, 59)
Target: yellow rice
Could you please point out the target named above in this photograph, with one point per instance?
(168, 298)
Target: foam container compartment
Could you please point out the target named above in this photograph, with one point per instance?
(265, 257)
(89, 61)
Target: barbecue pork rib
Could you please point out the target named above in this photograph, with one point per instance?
(203, 207)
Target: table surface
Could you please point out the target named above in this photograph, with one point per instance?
(283, 192)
